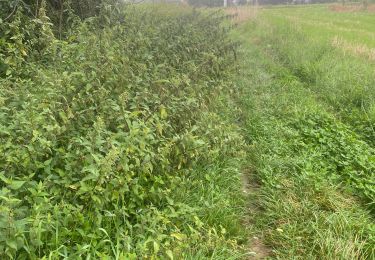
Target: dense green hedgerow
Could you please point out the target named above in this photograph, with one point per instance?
(98, 132)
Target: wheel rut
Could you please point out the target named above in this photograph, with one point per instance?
(255, 248)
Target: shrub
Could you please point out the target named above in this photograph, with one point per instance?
(96, 131)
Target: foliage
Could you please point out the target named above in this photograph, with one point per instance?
(21, 37)
(343, 151)
(99, 131)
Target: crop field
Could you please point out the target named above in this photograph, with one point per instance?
(162, 131)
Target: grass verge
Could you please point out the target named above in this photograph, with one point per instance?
(303, 155)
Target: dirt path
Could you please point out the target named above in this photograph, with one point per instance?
(256, 248)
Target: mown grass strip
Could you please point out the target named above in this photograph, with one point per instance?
(343, 81)
(309, 181)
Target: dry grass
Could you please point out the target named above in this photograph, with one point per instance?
(351, 8)
(243, 13)
(356, 49)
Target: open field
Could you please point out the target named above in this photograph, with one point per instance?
(324, 24)
(333, 63)
(353, 30)
(309, 118)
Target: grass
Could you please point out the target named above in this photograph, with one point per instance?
(342, 80)
(299, 103)
(214, 190)
(323, 24)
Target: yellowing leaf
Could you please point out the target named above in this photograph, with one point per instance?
(159, 128)
(163, 113)
(156, 247)
(178, 236)
(169, 254)
(73, 187)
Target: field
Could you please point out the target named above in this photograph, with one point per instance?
(158, 131)
(324, 23)
(351, 31)
(309, 117)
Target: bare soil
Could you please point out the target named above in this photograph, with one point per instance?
(256, 248)
(352, 8)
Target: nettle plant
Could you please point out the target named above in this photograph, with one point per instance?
(22, 38)
(96, 132)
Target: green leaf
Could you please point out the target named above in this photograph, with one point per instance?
(4, 179)
(12, 244)
(178, 236)
(16, 185)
